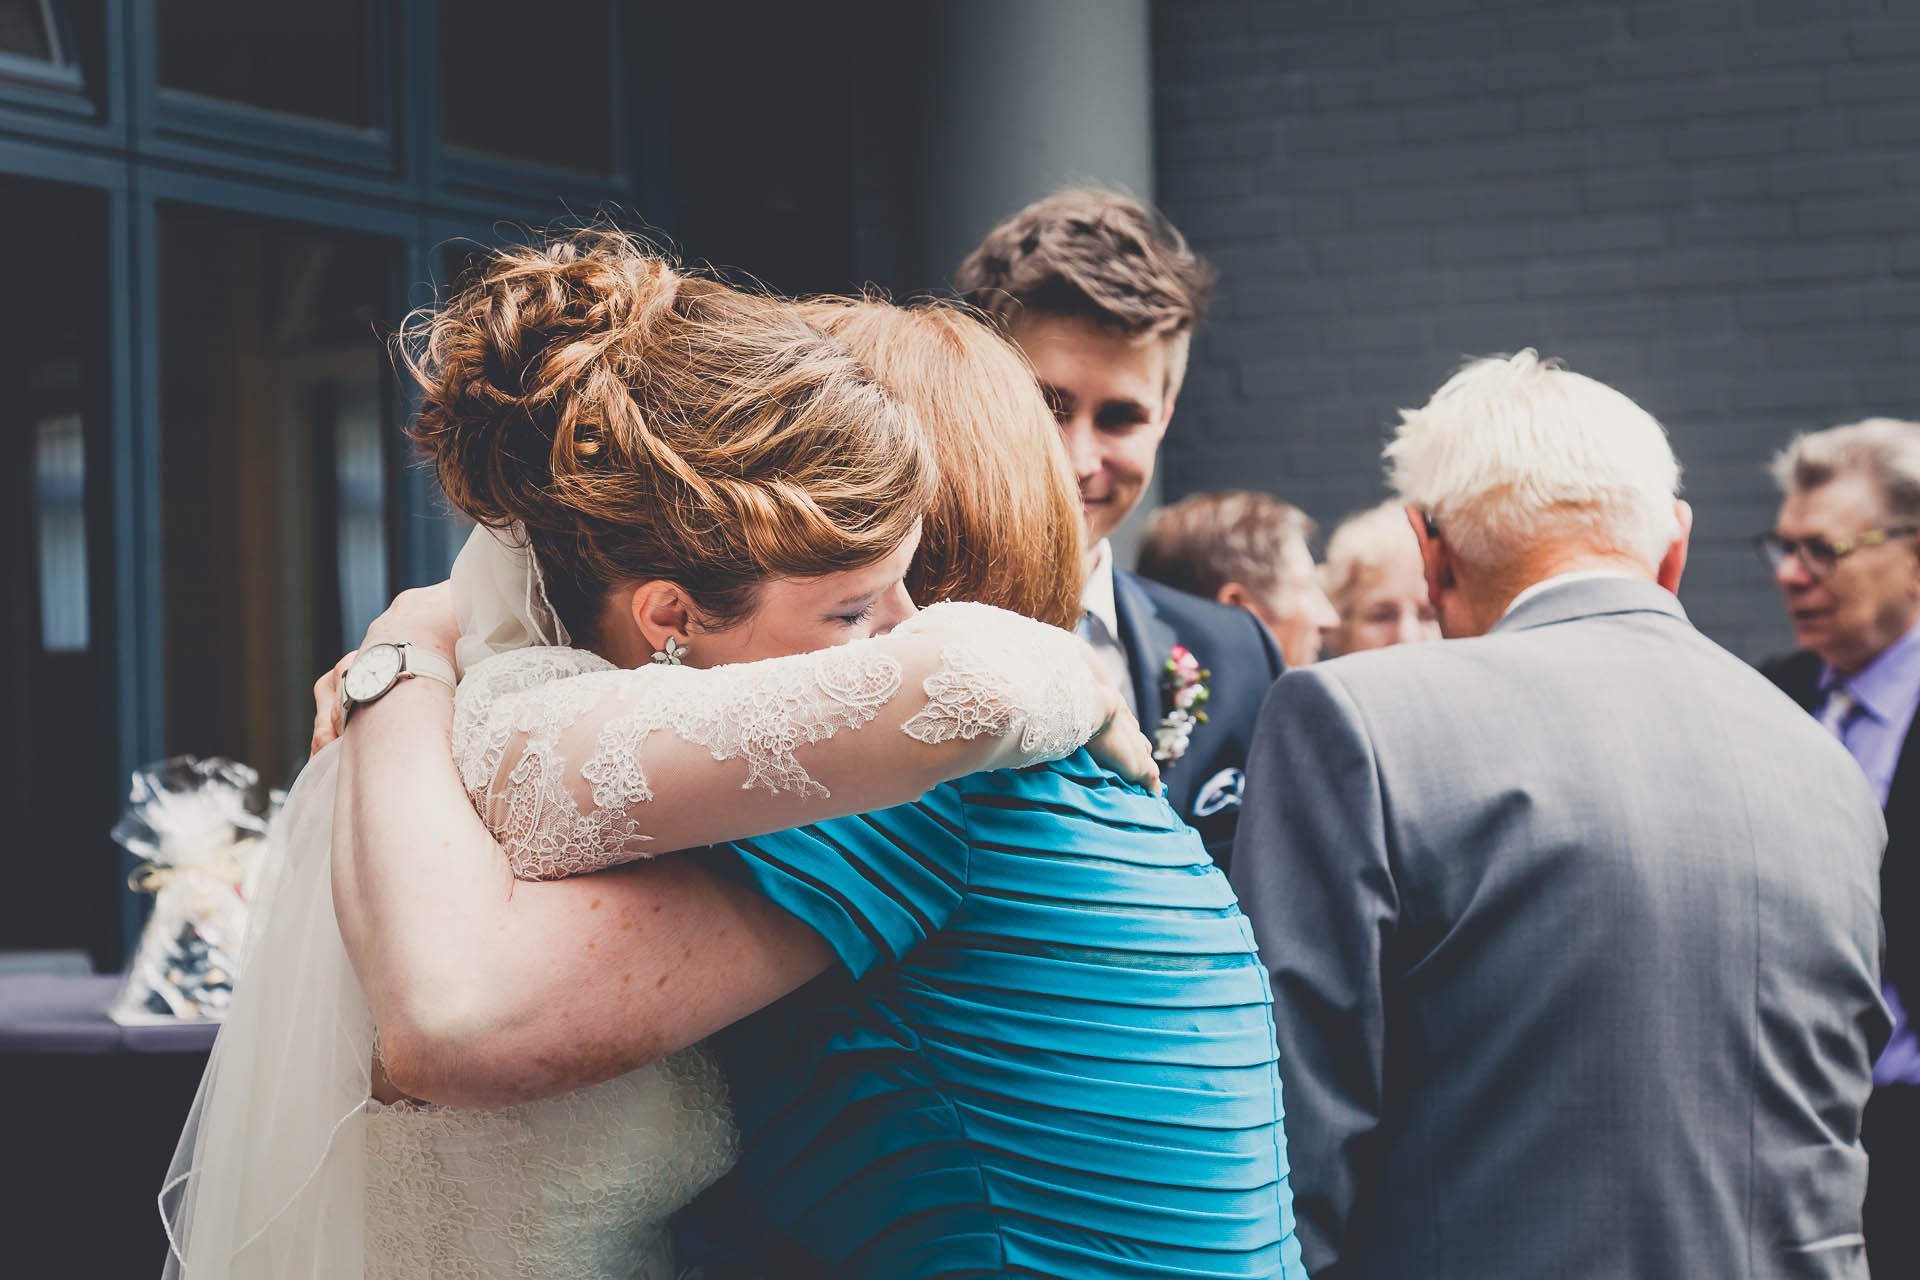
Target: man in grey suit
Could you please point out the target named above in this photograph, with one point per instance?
(1573, 919)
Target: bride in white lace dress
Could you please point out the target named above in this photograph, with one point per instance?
(680, 458)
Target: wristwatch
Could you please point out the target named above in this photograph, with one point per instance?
(379, 667)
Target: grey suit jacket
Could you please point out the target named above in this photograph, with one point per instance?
(1574, 938)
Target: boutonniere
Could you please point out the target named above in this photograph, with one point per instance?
(1183, 682)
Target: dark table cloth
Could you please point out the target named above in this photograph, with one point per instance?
(94, 1112)
(63, 1013)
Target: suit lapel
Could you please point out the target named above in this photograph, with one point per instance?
(1147, 638)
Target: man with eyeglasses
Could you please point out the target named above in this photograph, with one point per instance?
(1845, 552)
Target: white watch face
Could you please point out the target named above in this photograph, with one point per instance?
(372, 673)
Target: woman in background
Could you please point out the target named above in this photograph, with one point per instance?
(1376, 582)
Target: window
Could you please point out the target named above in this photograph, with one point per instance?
(28, 30)
(57, 758)
(557, 59)
(302, 59)
(276, 427)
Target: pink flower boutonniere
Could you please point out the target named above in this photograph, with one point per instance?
(1183, 682)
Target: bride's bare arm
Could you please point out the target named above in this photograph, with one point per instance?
(489, 991)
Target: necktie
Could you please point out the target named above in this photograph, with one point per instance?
(1838, 711)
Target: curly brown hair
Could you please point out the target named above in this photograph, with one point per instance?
(640, 423)
(1087, 252)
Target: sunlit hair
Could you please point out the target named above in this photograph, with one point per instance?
(1514, 452)
(1097, 254)
(644, 424)
(1202, 542)
(1366, 542)
(1004, 525)
(1886, 450)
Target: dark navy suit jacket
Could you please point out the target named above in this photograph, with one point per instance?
(1203, 785)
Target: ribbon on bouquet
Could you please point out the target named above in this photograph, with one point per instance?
(204, 876)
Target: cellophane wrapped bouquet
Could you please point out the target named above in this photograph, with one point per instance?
(199, 828)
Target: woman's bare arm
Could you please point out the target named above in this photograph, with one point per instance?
(489, 991)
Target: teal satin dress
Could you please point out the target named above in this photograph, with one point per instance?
(1049, 1049)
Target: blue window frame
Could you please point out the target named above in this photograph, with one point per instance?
(99, 103)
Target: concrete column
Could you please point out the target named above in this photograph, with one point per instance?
(1023, 97)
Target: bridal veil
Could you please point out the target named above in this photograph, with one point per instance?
(269, 1179)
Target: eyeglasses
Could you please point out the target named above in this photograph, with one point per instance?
(1818, 556)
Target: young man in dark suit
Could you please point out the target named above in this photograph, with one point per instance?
(1845, 551)
(1102, 294)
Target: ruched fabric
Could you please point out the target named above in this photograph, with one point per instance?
(1051, 1051)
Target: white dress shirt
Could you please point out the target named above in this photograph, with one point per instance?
(1100, 623)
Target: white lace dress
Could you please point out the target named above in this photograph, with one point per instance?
(581, 1185)
(555, 747)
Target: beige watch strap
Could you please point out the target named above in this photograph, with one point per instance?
(416, 661)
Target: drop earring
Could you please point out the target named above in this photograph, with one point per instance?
(673, 655)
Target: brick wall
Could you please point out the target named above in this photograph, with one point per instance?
(1713, 205)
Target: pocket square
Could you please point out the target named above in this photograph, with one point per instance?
(1221, 791)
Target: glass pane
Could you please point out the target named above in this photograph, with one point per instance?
(58, 753)
(59, 493)
(304, 59)
(527, 84)
(27, 30)
(276, 426)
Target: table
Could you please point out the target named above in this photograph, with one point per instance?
(95, 1111)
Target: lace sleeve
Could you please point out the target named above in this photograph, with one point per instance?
(577, 765)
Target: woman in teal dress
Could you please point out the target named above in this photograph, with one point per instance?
(1017, 1026)
(1048, 1049)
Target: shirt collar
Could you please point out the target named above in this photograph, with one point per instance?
(1096, 595)
(1887, 685)
(1561, 579)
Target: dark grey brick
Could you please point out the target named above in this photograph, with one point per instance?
(1348, 129)
(1842, 349)
(1826, 261)
(1570, 278)
(1665, 21)
(1373, 252)
(1881, 82)
(1884, 40)
(1807, 175)
(1852, 216)
(1898, 124)
(1733, 224)
(1648, 189)
(1474, 120)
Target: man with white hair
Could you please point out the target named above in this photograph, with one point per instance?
(1572, 920)
(1845, 552)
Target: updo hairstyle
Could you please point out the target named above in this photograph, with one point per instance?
(643, 424)
(1004, 527)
